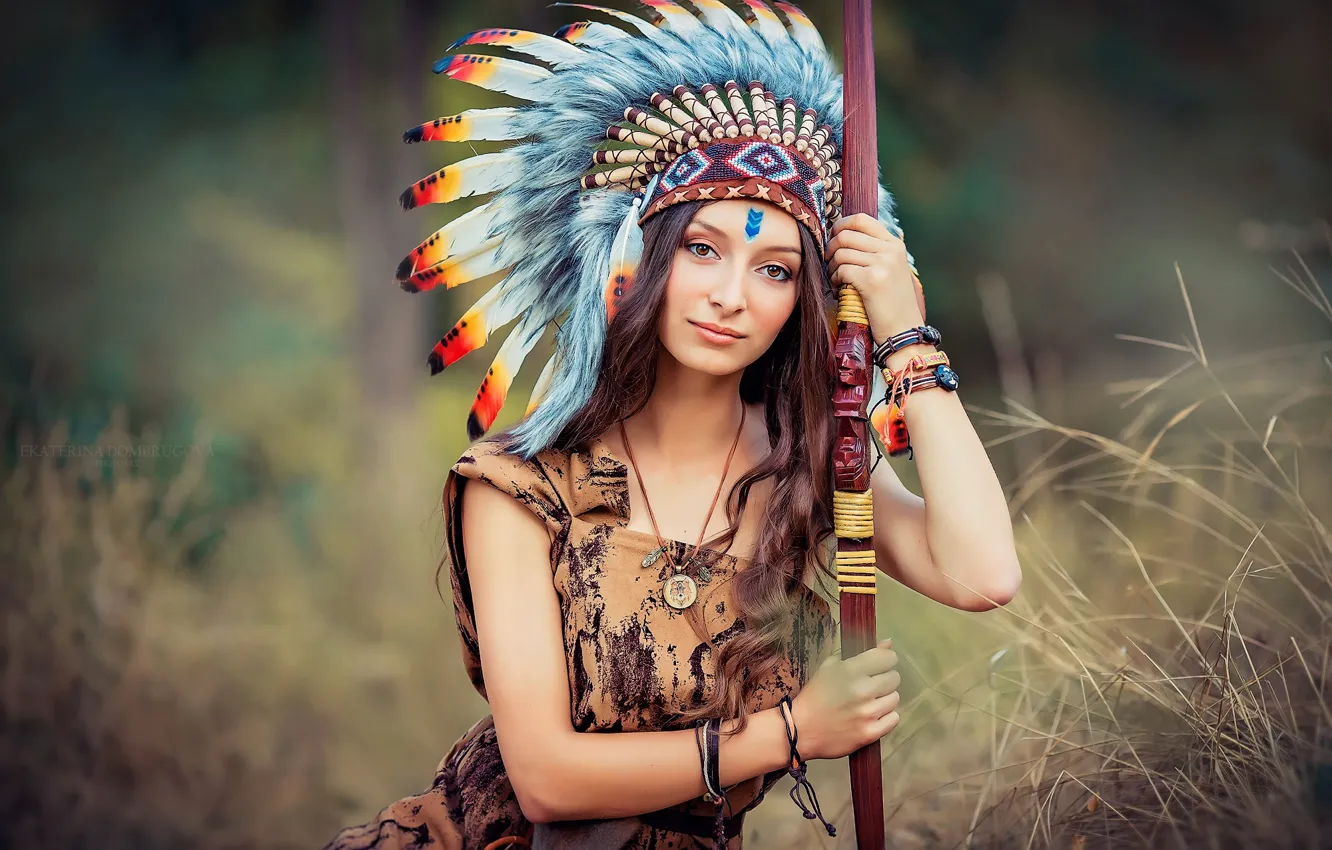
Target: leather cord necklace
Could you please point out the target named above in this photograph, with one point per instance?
(679, 590)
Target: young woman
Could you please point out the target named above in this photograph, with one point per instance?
(637, 570)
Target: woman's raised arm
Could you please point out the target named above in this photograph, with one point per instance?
(557, 773)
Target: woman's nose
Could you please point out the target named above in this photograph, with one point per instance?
(729, 292)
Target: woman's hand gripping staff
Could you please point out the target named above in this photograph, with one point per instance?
(959, 550)
(848, 702)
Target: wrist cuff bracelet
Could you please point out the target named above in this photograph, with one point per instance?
(923, 335)
(708, 737)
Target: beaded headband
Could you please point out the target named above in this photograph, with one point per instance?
(717, 151)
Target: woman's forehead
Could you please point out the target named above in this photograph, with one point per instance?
(743, 216)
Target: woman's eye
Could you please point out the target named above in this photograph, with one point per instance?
(779, 269)
(693, 245)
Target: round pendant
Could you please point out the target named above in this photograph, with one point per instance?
(680, 591)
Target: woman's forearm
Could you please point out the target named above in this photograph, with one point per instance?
(620, 774)
(967, 524)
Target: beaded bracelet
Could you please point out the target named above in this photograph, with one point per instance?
(917, 364)
(797, 771)
(923, 335)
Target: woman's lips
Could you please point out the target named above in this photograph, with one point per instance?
(714, 337)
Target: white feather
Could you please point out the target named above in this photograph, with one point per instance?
(802, 29)
(598, 35)
(675, 19)
(641, 25)
(721, 17)
(542, 384)
(766, 23)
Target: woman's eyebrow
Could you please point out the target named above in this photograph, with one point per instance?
(717, 231)
(721, 234)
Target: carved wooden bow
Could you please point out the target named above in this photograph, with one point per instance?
(853, 514)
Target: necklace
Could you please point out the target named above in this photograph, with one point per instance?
(679, 590)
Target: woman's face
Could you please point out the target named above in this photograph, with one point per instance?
(736, 269)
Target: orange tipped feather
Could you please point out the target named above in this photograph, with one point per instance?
(794, 13)
(458, 238)
(719, 16)
(487, 37)
(633, 20)
(440, 187)
(451, 128)
(618, 284)
(477, 175)
(495, 73)
(492, 125)
(543, 47)
(489, 400)
(466, 336)
(478, 262)
(572, 32)
(676, 18)
(763, 19)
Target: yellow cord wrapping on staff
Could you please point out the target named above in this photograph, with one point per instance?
(850, 308)
(853, 517)
(853, 514)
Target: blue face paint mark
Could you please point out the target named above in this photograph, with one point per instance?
(752, 224)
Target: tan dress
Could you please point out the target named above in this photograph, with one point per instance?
(632, 660)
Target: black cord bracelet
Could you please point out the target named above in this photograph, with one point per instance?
(797, 770)
(714, 779)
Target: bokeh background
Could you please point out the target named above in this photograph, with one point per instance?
(223, 452)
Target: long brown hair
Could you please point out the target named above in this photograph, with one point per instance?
(794, 380)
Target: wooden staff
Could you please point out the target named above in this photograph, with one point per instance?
(853, 515)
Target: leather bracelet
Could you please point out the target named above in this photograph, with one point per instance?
(923, 335)
(943, 377)
(713, 730)
(711, 734)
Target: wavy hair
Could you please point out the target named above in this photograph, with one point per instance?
(794, 379)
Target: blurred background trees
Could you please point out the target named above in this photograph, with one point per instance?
(199, 191)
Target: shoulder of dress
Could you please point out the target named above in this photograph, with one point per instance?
(549, 469)
(584, 481)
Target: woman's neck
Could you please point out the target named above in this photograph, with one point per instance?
(690, 417)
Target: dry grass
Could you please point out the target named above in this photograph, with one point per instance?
(1161, 681)
(121, 729)
(263, 699)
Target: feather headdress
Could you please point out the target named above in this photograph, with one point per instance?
(615, 125)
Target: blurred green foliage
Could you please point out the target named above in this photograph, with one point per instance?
(175, 243)
(178, 265)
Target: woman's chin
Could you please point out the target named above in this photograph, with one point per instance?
(710, 361)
